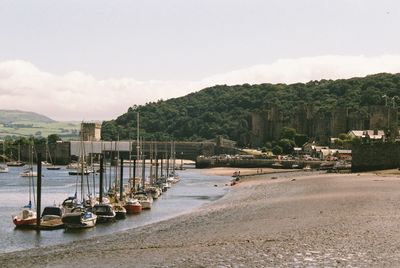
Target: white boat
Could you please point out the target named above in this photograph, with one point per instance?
(4, 169)
(80, 215)
(28, 173)
(153, 191)
(145, 200)
(79, 218)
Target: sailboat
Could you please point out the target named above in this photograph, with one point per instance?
(17, 163)
(3, 168)
(80, 216)
(29, 171)
(50, 165)
(27, 216)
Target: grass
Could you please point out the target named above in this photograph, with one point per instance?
(67, 129)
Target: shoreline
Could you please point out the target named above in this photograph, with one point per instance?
(292, 219)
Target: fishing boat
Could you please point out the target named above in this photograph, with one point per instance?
(104, 213)
(133, 206)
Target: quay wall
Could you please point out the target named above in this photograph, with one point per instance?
(59, 152)
(375, 156)
(62, 153)
(255, 163)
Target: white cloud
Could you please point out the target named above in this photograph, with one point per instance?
(79, 96)
(310, 68)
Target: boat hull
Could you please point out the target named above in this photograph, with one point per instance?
(79, 220)
(25, 218)
(133, 208)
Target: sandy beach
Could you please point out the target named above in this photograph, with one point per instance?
(303, 219)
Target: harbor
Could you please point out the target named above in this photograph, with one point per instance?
(303, 219)
(195, 189)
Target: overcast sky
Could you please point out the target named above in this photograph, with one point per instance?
(85, 60)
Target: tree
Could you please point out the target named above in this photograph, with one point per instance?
(277, 150)
(287, 145)
(288, 133)
(53, 138)
(300, 139)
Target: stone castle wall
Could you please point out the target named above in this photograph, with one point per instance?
(376, 156)
(321, 125)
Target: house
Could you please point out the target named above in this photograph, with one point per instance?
(371, 134)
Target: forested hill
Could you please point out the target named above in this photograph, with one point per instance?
(226, 110)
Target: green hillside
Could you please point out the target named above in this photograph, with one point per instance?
(226, 110)
(11, 116)
(15, 123)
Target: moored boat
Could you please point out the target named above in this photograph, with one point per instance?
(79, 218)
(52, 167)
(120, 211)
(26, 217)
(4, 169)
(52, 218)
(15, 164)
(133, 206)
(85, 172)
(145, 200)
(28, 173)
(153, 191)
(104, 213)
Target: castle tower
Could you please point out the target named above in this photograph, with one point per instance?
(91, 131)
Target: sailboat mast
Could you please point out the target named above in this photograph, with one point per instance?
(143, 165)
(82, 161)
(137, 140)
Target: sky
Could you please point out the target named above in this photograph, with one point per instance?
(93, 59)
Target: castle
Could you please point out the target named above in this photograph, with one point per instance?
(321, 125)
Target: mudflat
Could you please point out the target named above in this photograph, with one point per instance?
(277, 220)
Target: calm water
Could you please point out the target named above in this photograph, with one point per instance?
(194, 189)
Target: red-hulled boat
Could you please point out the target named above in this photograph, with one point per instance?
(25, 218)
(132, 206)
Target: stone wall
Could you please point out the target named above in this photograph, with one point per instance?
(59, 152)
(321, 125)
(376, 156)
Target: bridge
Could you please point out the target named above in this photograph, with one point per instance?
(183, 150)
(62, 153)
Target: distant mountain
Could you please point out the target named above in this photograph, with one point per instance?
(13, 116)
(14, 123)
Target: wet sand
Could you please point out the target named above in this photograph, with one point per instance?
(278, 220)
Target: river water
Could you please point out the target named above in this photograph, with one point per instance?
(195, 189)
